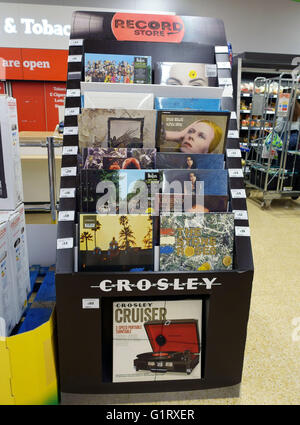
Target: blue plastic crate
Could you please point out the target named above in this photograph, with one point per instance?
(35, 317)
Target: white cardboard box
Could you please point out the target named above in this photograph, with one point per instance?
(8, 307)
(18, 252)
(11, 185)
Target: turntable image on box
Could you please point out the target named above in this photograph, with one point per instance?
(175, 344)
(157, 340)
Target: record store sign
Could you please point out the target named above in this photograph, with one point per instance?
(144, 27)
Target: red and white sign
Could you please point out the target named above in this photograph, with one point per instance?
(144, 27)
(33, 64)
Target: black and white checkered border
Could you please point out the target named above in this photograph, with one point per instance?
(237, 191)
(68, 181)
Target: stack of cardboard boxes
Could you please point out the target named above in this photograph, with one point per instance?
(14, 265)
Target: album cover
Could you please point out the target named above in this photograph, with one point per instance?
(110, 68)
(117, 128)
(117, 191)
(207, 190)
(191, 132)
(115, 242)
(95, 99)
(157, 340)
(190, 242)
(185, 74)
(186, 104)
(116, 159)
(167, 160)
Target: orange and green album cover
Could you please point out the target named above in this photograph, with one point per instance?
(113, 242)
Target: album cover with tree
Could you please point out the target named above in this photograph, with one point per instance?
(117, 128)
(115, 242)
(190, 242)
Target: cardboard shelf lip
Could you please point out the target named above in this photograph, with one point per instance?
(157, 89)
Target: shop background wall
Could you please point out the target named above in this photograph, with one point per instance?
(251, 25)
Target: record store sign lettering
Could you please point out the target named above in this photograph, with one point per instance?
(154, 28)
(163, 284)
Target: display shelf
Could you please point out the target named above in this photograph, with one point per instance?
(84, 346)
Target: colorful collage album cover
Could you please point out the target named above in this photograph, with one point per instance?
(117, 128)
(157, 340)
(115, 242)
(191, 132)
(117, 159)
(191, 242)
(117, 191)
(110, 68)
(185, 74)
(208, 188)
(168, 160)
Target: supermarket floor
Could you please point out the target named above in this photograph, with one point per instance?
(271, 373)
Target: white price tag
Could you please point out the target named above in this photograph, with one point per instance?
(70, 131)
(238, 193)
(90, 303)
(66, 215)
(223, 65)
(68, 171)
(221, 49)
(70, 150)
(71, 111)
(233, 153)
(232, 115)
(235, 172)
(76, 42)
(67, 193)
(74, 58)
(73, 93)
(242, 231)
(228, 91)
(225, 81)
(240, 214)
(64, 243)
(233, 134)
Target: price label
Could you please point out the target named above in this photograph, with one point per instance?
(67, 193)
(64, 243)
(221, 49)
(70, 150)
(70, 131)
(238, 193)
(68, 171)
(74, 58)
(223, 65)
(76, 42)
(225, 81)
(66, 215)
(233, 153)
(233, 134)
(233, 115)
(242, 231)
(71, 111)
(228, 91)
(235, 172)
(90, 303)
(240, 214)
(73, 93)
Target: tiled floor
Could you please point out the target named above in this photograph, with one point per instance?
(271, 372)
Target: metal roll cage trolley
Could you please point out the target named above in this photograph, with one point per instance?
(266, 162)
(84, 344)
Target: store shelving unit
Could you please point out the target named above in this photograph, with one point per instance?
(84, 336)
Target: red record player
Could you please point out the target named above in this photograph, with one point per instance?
(175, 345)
